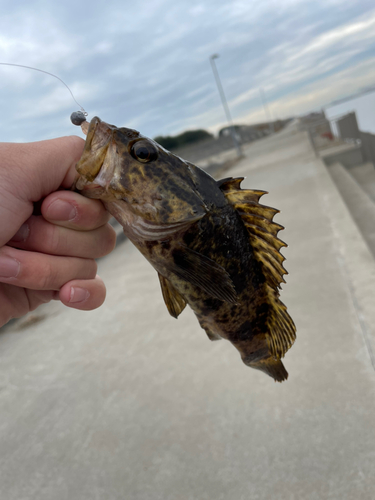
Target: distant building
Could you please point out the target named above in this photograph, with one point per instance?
(248, 133)
(244, 133)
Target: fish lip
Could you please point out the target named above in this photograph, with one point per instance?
(98, 140)
(82, 184)
(91, 190)
(99, 133)
(102, 180)
(91, 186)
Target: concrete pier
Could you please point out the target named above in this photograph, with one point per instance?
(128, 403)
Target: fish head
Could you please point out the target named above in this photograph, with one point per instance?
(121, 164)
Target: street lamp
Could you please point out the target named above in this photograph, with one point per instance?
(225, 104)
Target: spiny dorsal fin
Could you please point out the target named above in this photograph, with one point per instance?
(173, 300)
(232, 184)
(258, 220)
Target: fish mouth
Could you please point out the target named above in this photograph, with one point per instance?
(97, 132)
(98, 140)
(98, 188)
(96, 167)
(87, 188)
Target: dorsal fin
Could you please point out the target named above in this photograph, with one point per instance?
(258, 220)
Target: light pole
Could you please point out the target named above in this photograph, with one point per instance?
(225, 104)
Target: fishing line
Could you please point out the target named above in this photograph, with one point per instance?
(51, 74)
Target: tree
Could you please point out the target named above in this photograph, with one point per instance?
(183, 139)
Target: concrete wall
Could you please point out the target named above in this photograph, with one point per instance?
(348, 127)
(318, 128)
(349, 157)
(368, 146)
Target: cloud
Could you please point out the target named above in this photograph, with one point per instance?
(290, 65)
(319, 94)
(355, 32)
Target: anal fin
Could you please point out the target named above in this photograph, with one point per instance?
(210, 334)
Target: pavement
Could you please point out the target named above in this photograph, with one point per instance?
(126, 402)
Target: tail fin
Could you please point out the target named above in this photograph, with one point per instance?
(273, 367)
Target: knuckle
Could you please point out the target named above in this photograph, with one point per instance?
(91, 268)
(77, 144)
(94, 268)
(53, 240)
(44, 275)
(96, 212)
(105, 238)
(109, 239)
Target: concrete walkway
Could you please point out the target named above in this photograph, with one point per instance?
(127, 403)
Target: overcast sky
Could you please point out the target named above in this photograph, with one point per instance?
(144, 64)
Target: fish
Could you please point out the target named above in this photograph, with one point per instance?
(212, 244)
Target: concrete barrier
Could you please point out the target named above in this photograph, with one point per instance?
(368, 146)
(348, 129)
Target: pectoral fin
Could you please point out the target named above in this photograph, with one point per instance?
(173, 300)
(204, 273)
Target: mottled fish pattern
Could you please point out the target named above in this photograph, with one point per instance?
(213, 245)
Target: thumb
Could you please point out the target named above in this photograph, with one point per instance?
(46, 165)
(29, 172)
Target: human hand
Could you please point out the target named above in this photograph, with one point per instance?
(48, 256)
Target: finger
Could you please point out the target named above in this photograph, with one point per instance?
(83, 294)
(16, 301)
(37, 297)
(39, 271)
(70, 209)
(38, 235)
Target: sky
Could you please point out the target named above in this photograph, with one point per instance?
(145, 64)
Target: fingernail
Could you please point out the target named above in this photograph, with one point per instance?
(22, 233)
(78, 294)
(61, 210)
(9, 268)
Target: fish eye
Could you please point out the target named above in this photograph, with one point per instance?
(144, 151)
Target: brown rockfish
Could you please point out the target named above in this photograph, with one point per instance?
(212, 244)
